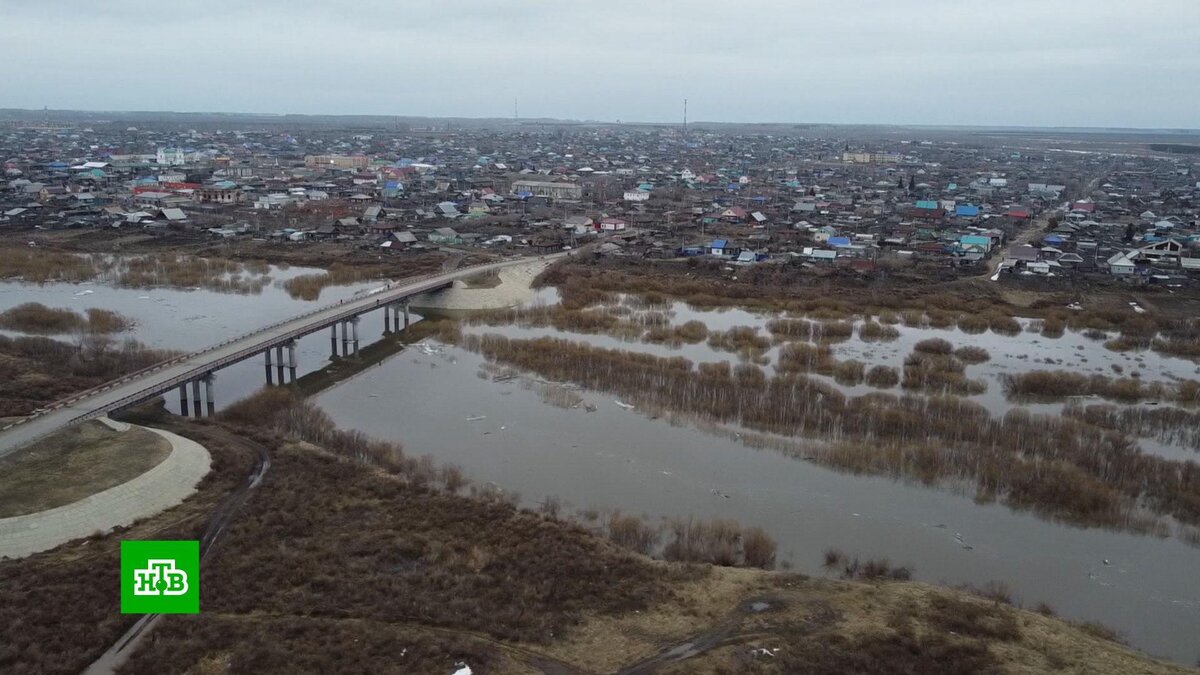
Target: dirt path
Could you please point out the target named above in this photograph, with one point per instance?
(731, 630)
(1034, 229)
(221, 517)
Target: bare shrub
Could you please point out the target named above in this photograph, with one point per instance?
(833, 331)
(758, 548)
(453, 479)
(973, 323)
(882, 377)
(849, 372)
(972, 354)
(1053, 327)
(871, 331)
(800, 357)
(934, 346)
(714, 542)
(632, 533)
(743, 340)
(791, 329)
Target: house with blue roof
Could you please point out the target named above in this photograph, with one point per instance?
(838, 242)
(927, 204)
(722, 248)
(966, 211)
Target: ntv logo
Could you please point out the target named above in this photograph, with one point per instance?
(160, 577)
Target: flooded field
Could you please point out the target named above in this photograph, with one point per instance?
(598, 453)
(191, 319)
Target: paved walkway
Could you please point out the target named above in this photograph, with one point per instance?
(168, 483)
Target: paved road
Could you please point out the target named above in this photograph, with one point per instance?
(168, 376)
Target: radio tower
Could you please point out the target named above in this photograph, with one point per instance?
(685, 118)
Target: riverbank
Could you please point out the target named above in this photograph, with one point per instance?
(168, 481)
(514, 288)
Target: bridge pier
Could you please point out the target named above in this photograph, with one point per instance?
(208, 393)
(387, 319)
(333, 341)
(395, 318)
(279, 363)
(183, 402)
(291, 346)
(196, 412)
(267, 358)
(345, 340)
(354, 333)
(405, 316)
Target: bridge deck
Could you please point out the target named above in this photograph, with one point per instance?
(164, 377)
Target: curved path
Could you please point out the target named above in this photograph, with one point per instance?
(516, 287)
(146, 384)
(163, 486)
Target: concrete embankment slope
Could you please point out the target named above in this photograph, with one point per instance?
(168, 483)
(515, 288)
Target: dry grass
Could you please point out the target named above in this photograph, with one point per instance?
(74, 463)
(335, 566)
(1060, 384)
(35, 371)
(59, 609)
(934, 346)
(871, 331)
(882, 377)
(309, 286)
(971, 354)
(38, 319)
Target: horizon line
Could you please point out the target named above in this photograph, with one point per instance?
(518, 120)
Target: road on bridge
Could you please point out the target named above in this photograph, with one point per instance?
(164, 377)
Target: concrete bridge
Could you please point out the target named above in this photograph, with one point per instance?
(196, 369)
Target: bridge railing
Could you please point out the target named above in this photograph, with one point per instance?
(156, 367)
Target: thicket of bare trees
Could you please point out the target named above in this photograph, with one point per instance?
(1059, 384)
(1063, 467)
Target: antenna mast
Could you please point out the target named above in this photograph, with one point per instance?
(685, 117)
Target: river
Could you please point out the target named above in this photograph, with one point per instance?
(434, 399)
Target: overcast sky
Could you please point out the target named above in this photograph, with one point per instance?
(1000, 62)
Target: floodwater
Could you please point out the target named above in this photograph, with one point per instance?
(189, 320)
(435, 400)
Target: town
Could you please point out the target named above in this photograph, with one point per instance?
(828, 199)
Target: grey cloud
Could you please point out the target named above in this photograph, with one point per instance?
(1036, 62)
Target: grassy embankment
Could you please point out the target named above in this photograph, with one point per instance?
(73, 463)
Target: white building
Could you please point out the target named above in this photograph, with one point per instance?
(636, 195)
(170, 156)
